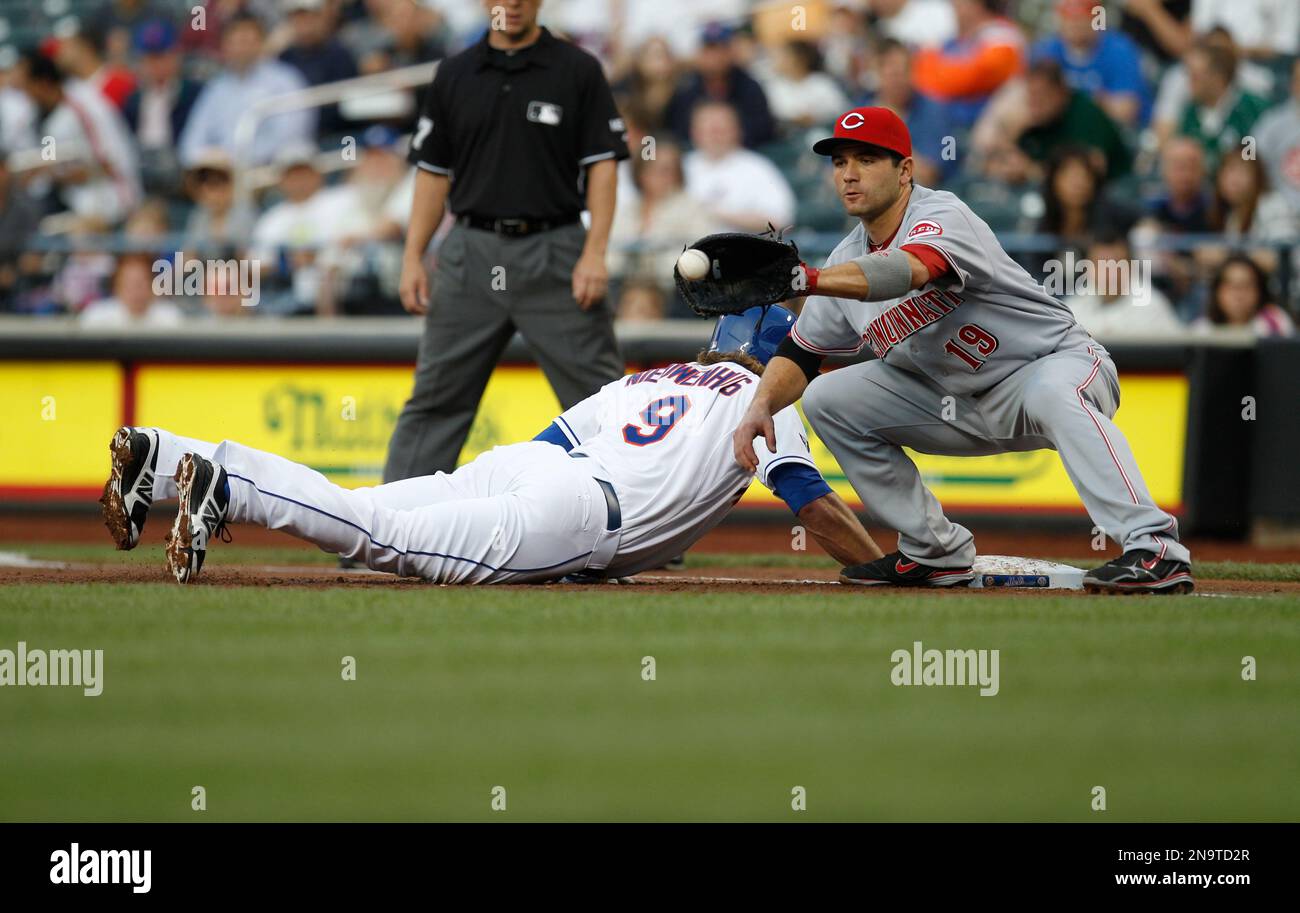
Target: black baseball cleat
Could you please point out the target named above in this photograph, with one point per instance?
(896, 569)
(1140, 571)
(201, 515)
(128, 493)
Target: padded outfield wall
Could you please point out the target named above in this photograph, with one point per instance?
(1210, 422)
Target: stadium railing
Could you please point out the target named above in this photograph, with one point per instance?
(813, 245)
(245, 130)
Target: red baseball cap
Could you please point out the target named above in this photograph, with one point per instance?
(1076, 7)
(873, 126)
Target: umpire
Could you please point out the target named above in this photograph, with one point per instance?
(518, 135)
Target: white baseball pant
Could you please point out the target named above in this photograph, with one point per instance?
(516, 514)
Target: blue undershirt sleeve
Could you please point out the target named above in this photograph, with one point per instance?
(552, 434)
(798, 485)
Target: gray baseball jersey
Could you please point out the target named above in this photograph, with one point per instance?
(982, 327)
(967, 330)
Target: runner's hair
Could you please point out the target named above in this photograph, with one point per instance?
(749, 362)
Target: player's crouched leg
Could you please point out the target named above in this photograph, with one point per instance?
(823, 403)
(1067, 401)
(864, 414)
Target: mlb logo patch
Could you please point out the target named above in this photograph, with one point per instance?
(924, 228)
(545, 112)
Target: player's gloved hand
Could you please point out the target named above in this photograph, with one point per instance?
(413, 287)
(745, 270)
(756, 423)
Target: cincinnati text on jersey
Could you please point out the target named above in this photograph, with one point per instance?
(906, 317)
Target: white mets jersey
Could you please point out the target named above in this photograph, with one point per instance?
(969, 328)
(662, 438)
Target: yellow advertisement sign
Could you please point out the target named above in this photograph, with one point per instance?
(57, 417)
(1152, 415)
(338, 419)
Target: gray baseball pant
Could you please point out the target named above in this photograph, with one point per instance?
(485, 288)
(867, 413)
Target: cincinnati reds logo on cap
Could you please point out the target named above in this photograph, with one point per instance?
(873, 126)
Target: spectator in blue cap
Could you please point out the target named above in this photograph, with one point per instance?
(160, 106)
(717, 77)
(119, 19)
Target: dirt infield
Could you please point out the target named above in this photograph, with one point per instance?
(731, 537)
(764, 580)
(19, 530)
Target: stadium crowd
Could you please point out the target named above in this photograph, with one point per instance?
(1163, 132)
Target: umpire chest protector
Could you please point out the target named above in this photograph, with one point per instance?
(516, 130)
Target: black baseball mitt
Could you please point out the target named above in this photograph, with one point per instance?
(744, 270)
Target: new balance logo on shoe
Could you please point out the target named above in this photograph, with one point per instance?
(210, 517)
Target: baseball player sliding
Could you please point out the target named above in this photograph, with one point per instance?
(972, 357)
(621, 482)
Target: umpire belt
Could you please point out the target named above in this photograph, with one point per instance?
(606, 548)
(515, 228)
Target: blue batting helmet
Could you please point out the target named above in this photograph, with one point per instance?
(755, 332)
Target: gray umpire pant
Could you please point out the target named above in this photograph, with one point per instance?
(867, 413)
(485, 288)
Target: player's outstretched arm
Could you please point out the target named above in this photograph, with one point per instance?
(837, 530)
(783, 382)
(875, 277)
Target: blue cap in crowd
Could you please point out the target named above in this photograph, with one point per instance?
(379, 137)
(716, 33)
(155, 36)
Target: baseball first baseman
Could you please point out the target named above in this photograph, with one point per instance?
(972, 357)
(620, 483)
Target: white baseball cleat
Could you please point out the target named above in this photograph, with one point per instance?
(128, 493)
(201, 515)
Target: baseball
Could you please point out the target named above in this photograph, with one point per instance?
(693, 264)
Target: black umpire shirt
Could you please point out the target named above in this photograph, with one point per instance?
(516, 131)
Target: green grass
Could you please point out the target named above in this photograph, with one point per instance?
(697, 561)
(540, 691)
